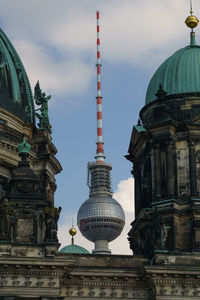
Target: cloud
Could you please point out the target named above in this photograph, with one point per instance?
(121, 244)
(57, 43)
(124, 195)
(136, 31)
(57, 77)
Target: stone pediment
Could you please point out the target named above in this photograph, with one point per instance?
(138, 134)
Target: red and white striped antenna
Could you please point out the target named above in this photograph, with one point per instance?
(100, 152)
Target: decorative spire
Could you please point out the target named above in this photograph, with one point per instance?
(191, 10)
(192, 22)
(100, 152)
(72, 232)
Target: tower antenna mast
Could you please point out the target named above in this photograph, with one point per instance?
(100, 152)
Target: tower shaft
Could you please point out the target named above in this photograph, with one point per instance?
(99, 180)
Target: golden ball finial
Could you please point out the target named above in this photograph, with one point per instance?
(191, 21)
(72, 231)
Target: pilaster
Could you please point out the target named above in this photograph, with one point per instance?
(192, 169)
(158, 192)
(170, 168)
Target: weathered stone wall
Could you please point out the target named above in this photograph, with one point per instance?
(74, 276)
(164, 150)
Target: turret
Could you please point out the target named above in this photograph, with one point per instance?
(165, 152)
(27, 169)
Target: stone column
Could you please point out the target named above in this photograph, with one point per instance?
(192, 169)
(138, 198)
(147, 182)
(157, 166)
(170, 168)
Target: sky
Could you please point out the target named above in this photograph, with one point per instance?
(56, 41)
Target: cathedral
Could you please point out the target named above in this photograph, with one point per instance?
(164, 151)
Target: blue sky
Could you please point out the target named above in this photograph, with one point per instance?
(56, 41)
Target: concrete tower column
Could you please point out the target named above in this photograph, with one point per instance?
(101, 247)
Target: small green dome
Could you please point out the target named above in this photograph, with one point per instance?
(15, 91)
(74, 249)
(179, 74)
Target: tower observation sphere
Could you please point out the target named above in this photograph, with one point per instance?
(100, 218)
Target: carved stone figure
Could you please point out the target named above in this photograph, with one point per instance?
(12, 226)
(51, 219)
(148, 236)
(4, 219)
(41, 99)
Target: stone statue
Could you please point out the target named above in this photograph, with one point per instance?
(4, 219)
(24, 147)
(12, 226)
(150, 235)
(41, 99)
(51, 219)
(198, 156)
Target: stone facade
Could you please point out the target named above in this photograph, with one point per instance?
(31, 266)
(164, 150)
(75, 276)
(27, 190)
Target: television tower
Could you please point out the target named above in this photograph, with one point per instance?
(100, 218)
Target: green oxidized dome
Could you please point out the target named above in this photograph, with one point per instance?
(74, 249)
(179, 74)
(15, 91)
